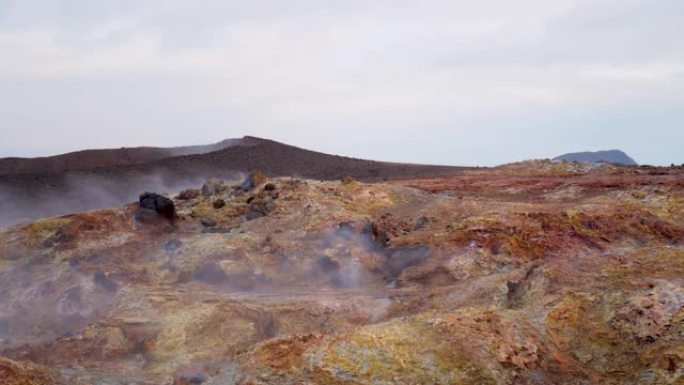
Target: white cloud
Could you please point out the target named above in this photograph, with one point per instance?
(645, 73)
(167, 72)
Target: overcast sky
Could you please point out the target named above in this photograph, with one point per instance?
(450, 82)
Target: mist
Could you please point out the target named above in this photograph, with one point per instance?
(83, 192)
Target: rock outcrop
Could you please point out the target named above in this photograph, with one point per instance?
(153, 205)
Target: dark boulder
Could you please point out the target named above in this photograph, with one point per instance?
(155, 203)
(208, 222)
(219, 203)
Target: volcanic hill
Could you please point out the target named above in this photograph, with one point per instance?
(610, 156)
(86, 180)
(531, 273)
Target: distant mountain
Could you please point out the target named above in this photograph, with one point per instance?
(115, 157)
(611, 156)
(85, 180)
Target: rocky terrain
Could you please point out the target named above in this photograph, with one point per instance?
(86, 180)
(531, 273)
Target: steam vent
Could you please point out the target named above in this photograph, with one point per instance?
(540, 272)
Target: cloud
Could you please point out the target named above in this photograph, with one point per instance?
(341, 76)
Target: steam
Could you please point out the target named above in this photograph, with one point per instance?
(41, 309)
(350, 261)
(380, 309)
(90, 192)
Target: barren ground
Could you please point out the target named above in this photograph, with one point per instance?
(532, 273)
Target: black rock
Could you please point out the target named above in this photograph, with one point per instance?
(218, 203)
(208, 222)
(159, 204)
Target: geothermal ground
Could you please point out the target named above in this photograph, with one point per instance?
(532, 273)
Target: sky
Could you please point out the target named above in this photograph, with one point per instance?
(443, 82)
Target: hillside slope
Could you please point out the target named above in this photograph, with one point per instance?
(91, 184)
(91, 159)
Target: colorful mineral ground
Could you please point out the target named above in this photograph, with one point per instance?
(537, 272)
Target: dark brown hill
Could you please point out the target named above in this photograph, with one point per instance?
(90, 159)
(101, 178)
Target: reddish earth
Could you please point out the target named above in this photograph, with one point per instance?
(531, 273)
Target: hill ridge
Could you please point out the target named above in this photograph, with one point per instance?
(614, 156)
(60, 189)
